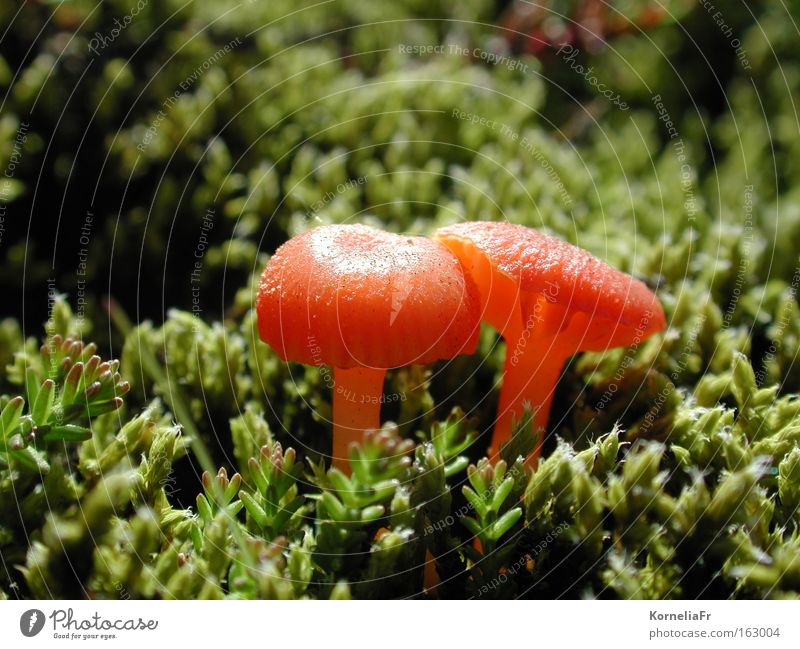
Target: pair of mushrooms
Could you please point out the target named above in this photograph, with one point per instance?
(363, 301)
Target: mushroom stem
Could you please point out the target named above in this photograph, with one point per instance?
(532, 367)
(356, 407)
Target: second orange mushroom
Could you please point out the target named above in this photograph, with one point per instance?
(549, 300)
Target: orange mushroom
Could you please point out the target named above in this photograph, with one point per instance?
(549, 300)
(364, 301)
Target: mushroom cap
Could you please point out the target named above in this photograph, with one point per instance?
(601, 305)
(352, 295)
